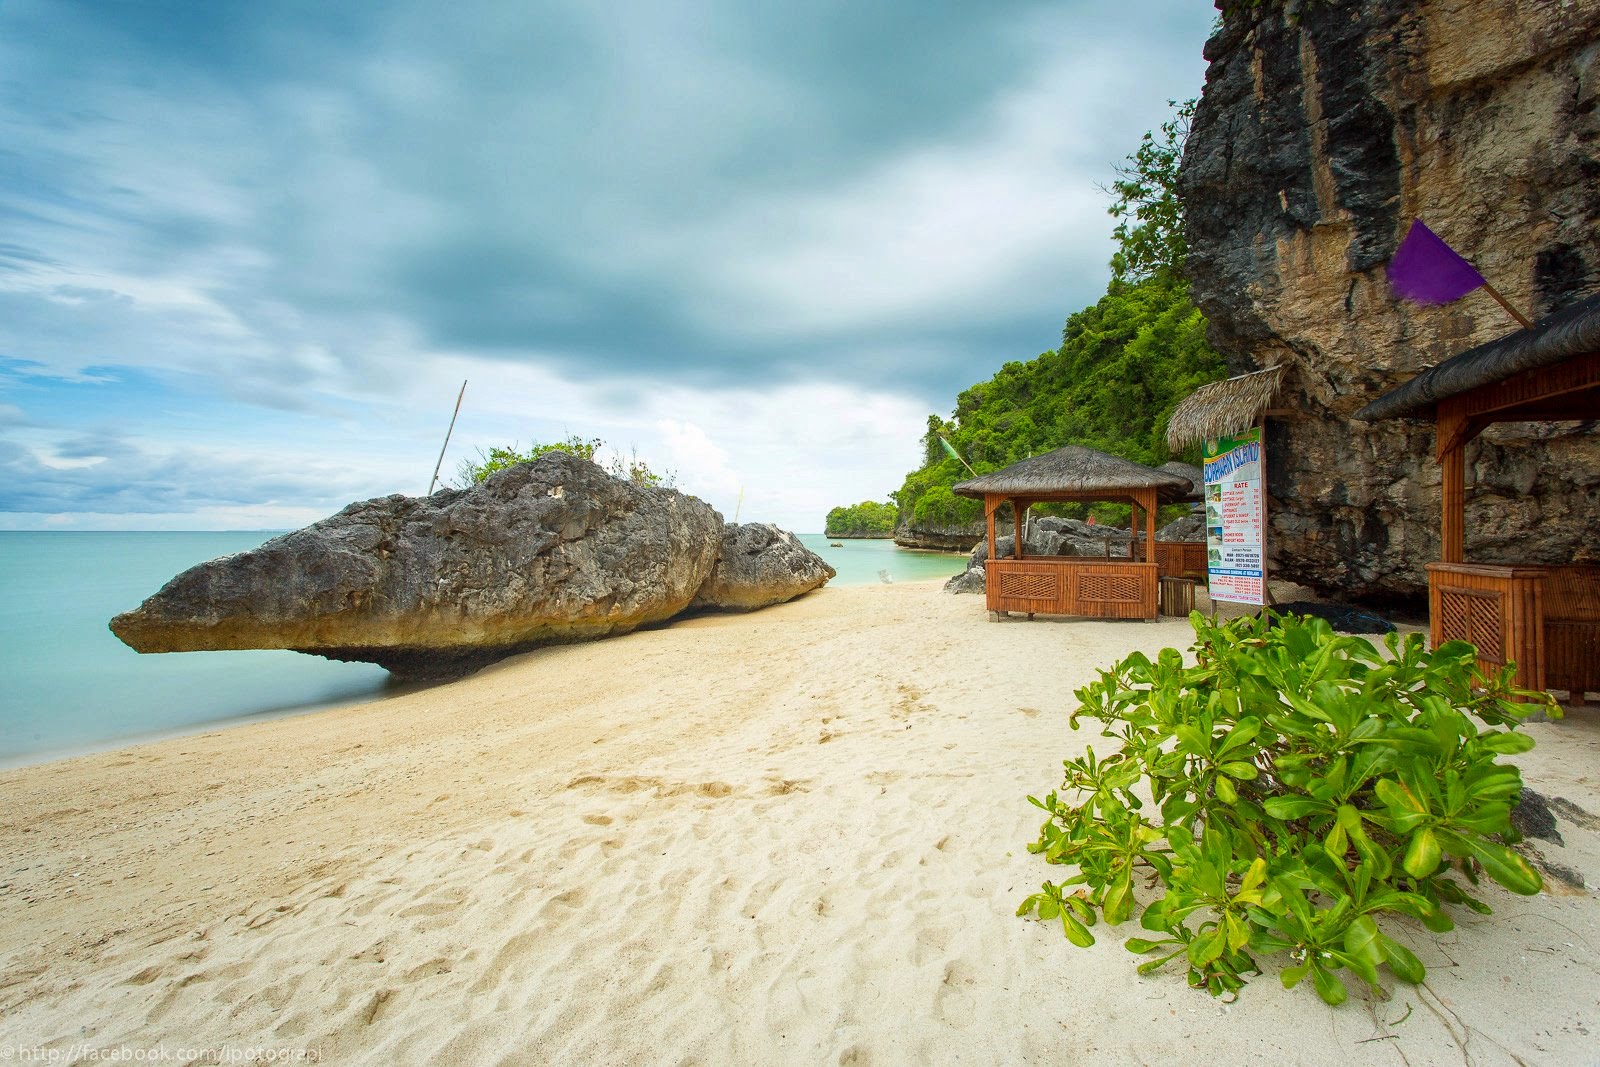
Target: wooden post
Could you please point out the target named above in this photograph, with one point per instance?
(1150, 505)
(990, 506)
(1016, 527)
(1266, 587)
(1452, 487)
(1453, 506)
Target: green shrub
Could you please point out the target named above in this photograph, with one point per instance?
(1290, 792)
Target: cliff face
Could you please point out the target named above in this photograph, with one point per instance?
(1323, 130)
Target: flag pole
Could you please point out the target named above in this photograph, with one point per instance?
(950, 448)
(1513, 312)
(435, 479)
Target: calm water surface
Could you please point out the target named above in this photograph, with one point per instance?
(68, 685)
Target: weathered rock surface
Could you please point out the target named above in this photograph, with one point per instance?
(970, 580)
(554, 550)
(1324, 129)
(1191, 527)
(759, 565)
(941, 538)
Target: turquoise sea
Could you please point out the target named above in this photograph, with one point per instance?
(68, 685)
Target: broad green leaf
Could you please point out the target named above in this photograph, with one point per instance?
(1401, 960)
(1361, 940)
(1293, 807)
(1507, 868)
(1329, 987)
(1076, 932)
(1226, 792)
(1507, 744)
(1291, 976)
(1397, 796)
(1239, 769)
(1207, 947)
(1421, 855)
(1142, 945)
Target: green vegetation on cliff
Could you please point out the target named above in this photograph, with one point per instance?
(629, 468)
(866, 519)
(1123, 364)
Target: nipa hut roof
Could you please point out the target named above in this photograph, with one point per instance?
(1075, 470)
(1574, 331)
(1224, 407)
(1189, 473)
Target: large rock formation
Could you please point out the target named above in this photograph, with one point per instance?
(760, 565)
(940, 538)
(1324, 129)
(554, 550)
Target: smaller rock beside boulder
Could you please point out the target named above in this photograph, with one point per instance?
(971, 580)
(1192, 527)
(759, 565)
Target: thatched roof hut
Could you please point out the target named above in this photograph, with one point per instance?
(1574, 331)
(1224, 407)
(1075, 472)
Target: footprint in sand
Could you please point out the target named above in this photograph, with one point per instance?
(954, 999)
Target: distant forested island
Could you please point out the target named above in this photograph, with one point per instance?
(866, 519)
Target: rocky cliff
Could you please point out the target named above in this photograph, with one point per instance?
(1324, 128)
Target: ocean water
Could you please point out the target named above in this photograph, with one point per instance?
(68, 685)
(858, 562)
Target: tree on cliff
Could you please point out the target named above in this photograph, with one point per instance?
(1123, 364)
(1149, 231)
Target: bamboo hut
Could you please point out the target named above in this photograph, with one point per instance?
(1224, 407)
(1545, 619)
(1073, 585)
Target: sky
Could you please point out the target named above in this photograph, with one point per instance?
(249, 251)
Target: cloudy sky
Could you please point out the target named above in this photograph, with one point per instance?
(250, 250)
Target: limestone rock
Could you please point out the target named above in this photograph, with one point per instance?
(971, 580)
(1323, 130)
(759, 565)
(1191, 527)
(554, 550)
(941, 538)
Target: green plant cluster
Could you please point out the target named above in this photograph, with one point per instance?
(866, 519)
(1292, 792)
(628, 468)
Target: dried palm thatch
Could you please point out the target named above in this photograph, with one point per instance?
(1223, 407)
(1074, 471)
(1189, 473)
(1573, 331)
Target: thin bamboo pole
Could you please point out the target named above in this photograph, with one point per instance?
(435, 479)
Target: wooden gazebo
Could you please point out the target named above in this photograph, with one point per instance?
(1092, 586)
(1544, 618)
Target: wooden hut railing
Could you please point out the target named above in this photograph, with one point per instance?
(1545, 619)
(1177, 559)
(1072, 585)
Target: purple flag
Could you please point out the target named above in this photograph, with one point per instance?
(1425, 270)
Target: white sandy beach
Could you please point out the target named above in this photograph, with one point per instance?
(797, 836)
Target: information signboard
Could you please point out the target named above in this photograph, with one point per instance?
(1235, 517)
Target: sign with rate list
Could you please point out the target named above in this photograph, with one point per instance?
(1235, 517)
